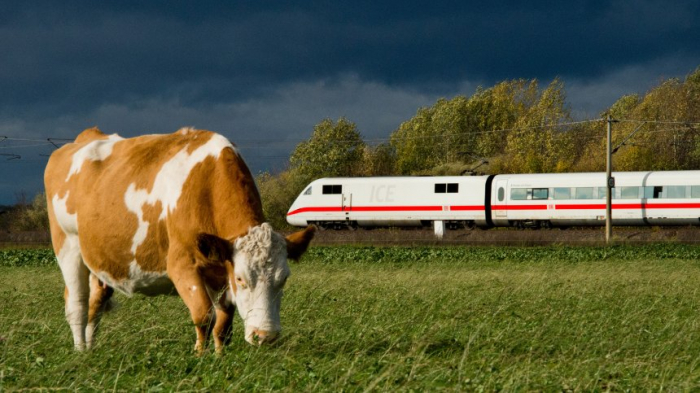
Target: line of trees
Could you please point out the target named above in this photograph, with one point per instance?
(25, 215)
(516, 126)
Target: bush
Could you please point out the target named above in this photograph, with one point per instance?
(31, 217)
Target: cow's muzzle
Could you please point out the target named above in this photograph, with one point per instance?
(259, 337)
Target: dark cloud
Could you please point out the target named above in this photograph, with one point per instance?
(273, 69)
(64, 55)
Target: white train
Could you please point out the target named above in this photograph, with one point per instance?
(523, 200)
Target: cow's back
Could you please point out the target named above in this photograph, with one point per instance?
(125, 201)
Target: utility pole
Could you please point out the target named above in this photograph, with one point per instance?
(610, 184)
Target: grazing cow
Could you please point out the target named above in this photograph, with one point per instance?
(157, 212)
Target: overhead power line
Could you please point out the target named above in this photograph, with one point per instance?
(267, 143)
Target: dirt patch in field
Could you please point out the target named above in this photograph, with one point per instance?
(511, 237)
(37, 238)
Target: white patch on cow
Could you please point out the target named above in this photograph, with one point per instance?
(185, 130)
(69, 259)
(168, 184)
(67, 221)
(97, 150)
(230, 295)
(139, 281)
(134, 203)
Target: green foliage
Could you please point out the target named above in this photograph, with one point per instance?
(379, 160)
(29, 216)
(334, 149)
(414, 143)
(623, 107)
(660, 146)
(537, 145)
(27, 257)
(449, 169)
(278, 194)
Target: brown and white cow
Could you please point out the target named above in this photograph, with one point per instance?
(157, 212)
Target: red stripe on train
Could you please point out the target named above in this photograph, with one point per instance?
(597, 206)
(630, 206)
(519, 207)
(384, 209)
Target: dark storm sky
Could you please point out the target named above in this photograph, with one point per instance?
(263, 73)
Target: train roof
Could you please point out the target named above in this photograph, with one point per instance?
(567, 174)
(365, 179)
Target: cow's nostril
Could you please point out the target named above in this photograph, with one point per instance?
(262, 336)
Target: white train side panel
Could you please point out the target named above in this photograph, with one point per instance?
(639, 198)
(391, 201)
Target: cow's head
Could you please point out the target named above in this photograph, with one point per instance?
(258, 276)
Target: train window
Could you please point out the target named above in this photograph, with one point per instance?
(332, 189)
(501, 194)
(451, 188)
(603, 192)
(674, 191)
(308, 191)
(562, 193)
(540, 193)
(629, 192)
(652, 192)
(695, 191)
(518, 194)
(584, 192)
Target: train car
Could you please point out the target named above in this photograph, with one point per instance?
(519, 200)
(578, 199)
(457, 201)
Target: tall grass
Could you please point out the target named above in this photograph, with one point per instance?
(360, 319)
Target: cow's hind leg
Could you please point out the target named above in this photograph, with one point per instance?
(76, 277)
(100, 302)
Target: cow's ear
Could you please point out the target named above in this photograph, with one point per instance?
(214, 248)
(298, 242)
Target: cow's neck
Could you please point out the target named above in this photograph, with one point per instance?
(236, 201)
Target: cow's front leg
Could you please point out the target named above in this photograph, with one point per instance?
(190, 287)
(223, 327)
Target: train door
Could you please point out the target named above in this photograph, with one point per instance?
(501, 198)
(347, 205)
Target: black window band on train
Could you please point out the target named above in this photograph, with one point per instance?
(332, 189)
(487, 201)
(449, 188)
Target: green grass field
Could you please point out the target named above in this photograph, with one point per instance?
(362, 318)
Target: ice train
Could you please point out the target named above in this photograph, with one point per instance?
(516, 200)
